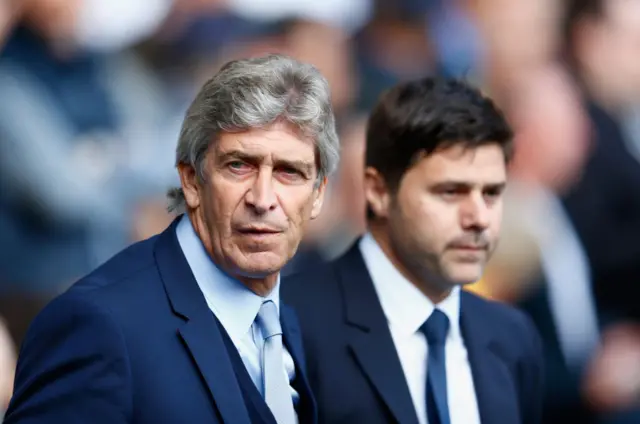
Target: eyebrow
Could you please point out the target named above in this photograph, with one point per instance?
(237, 154)
(301, 165)
(453, 183)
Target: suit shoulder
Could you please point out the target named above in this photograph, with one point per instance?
(311, 280)
(503, 318)
(106, 301)
(125, 265)
(495, 309)
(74, 350)
(72, 308)
(312, 288)
(125, 284)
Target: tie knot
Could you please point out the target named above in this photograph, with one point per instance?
(436, 327)
(269, 320)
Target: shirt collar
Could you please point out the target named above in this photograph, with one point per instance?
(404, 305)
(235, 306)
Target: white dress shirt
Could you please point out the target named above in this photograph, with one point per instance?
(568, 275)
(235, 306)
(406, 309)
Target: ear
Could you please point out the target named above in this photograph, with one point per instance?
(376, 192)
(190, 186)
(319, 198)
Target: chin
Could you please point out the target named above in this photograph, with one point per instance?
(260, 264)
(465, 275)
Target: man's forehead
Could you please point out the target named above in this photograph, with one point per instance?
(484, 163)
(267, 147)
(463, 156)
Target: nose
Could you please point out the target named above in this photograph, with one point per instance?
(475, 213)
(261, 196)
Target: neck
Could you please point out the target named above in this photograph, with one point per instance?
(429, 287)
(261, 286)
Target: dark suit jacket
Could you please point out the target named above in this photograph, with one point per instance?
(354, 369)
(604, 208)
(563, 398)
(135, 342)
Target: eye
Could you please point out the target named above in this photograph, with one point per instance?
(237, 166)
(493, 193)
(451, 193)
(289, 172)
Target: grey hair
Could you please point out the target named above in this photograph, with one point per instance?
(253, 93)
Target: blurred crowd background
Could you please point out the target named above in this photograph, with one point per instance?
(92, 95)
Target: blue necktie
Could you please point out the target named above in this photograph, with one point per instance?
(277, 392)
(435, 329)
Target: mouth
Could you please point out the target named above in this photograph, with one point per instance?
(470, 248)
(258, 231)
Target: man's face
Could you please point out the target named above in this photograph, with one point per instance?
(623, 28)
(260, 191)
(444, 220)
(53, 19)
(613, 45)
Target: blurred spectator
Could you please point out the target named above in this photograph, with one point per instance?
(518, 36)
(580, 224)
(292, 36)
(541, 263)
(605, 204)
(69, 177)
(116, 24)
(606, 49)
(394, 46)
(96, 25)
(551, 147)
(347, 15)
(456, 38)
(350, 177)
(602, 46)
(343, 215)
(333, 57)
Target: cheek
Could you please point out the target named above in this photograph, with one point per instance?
(417, 222)
(436, 219)
(496, 223)
(222, 202)
(296, 207)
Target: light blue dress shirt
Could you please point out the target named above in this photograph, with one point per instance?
(235, 306)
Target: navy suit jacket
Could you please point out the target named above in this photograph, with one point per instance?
(135, 342)
(354, 369)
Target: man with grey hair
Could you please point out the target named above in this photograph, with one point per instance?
(187, 326)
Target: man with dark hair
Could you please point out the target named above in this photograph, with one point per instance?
(390, 336)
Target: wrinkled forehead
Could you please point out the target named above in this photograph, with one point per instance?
(274, 143)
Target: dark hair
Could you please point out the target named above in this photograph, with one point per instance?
(427, 115)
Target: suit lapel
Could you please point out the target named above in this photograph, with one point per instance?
(292, 335)
(293, 342)
(495, 391)
(201, 335)
(370, 339)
